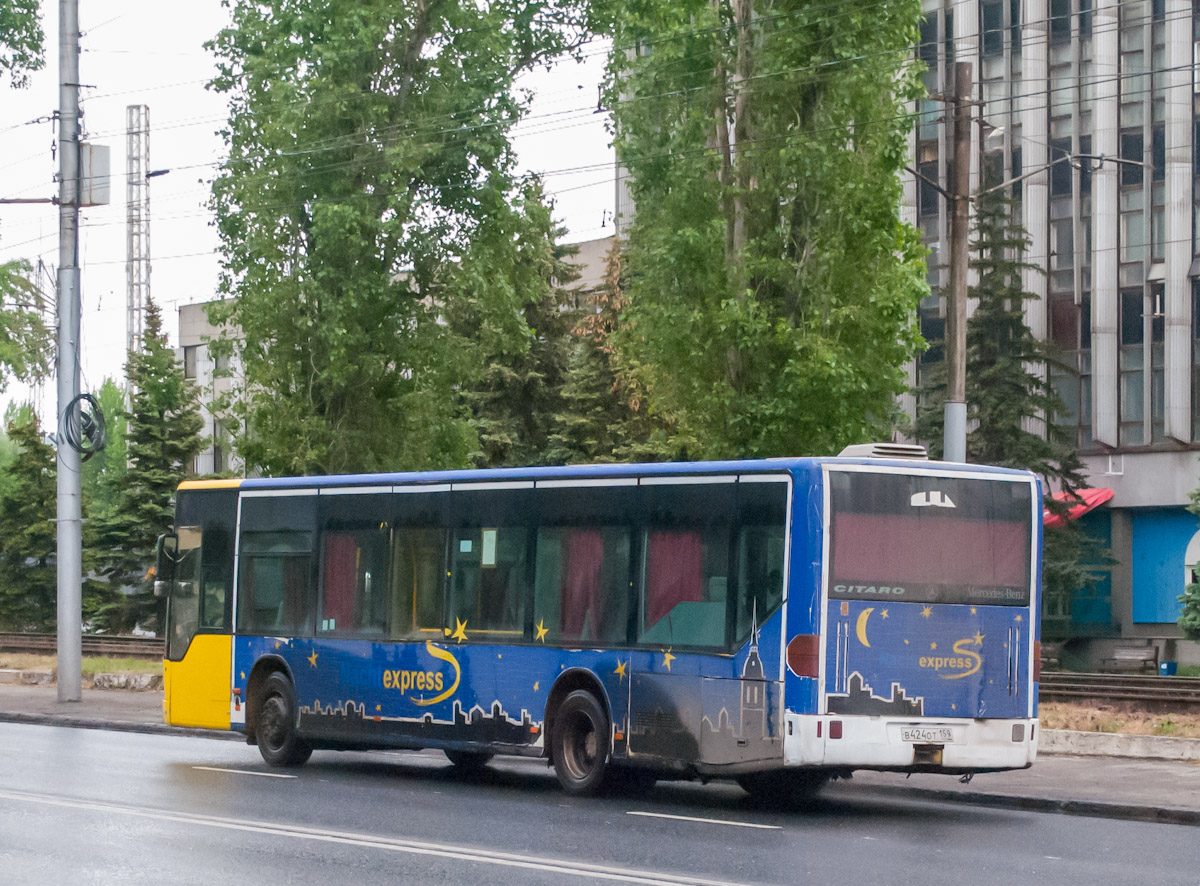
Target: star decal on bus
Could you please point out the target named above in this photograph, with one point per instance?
(978, 638)
(312, 659)
(460, 630)
(542, 630)
(620, 671)
(667, 658)
(926, 612)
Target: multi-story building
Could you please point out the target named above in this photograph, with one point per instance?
(214, 376)
(1093, 106)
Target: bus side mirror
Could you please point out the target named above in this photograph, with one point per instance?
(166, 552)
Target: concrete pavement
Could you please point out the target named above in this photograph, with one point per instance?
(1125, 787)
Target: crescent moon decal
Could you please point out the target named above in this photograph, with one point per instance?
(861, 628)
(446, 657)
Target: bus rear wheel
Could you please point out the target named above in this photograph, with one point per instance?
(275, 725)
(581, 743)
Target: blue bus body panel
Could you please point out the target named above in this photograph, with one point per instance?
(913, 659)
(670, 707)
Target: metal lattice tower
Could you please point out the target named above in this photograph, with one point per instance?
(137, 223)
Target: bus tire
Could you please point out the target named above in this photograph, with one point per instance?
(468, 761)
(786, 789)
(581, 743)
(275, 726)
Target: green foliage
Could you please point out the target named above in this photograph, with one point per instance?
(28, 580)
(22, 43)
(1008, 369)
(162, 438)
(104, 474)
(1189, 614)
(772, 287)
(598, 418)
(517, 387)
(369, 193)
(26, 340)
(1009, 392)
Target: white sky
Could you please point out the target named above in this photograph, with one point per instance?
(147, 52)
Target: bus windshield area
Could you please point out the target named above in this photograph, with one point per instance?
(931, 539)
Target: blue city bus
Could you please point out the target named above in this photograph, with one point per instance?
(779, 622)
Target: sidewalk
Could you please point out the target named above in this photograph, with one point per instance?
(1127, 787)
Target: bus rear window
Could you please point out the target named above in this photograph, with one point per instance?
(930, 539)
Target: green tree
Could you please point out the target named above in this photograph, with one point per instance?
(104, 474)
(22, 43)
(772, 287)
(26, 340)
(1189, 614)
(517, 386)
(599, 418)
(28, 580)
(1010, 393)
(163, 436)
(369, 187)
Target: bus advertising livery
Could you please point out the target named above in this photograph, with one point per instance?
(779, 622)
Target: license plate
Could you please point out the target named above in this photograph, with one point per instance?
(939, 734)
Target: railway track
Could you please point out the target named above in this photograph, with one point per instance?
(93, 644)
(1157, 693)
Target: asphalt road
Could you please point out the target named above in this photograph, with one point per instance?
(84, 806)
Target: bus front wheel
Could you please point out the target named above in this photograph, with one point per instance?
(581, 743)
(275, 725)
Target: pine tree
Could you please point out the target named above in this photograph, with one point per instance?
(1009, 392)
(162, 438)
(600, 419)
(518, 389)
(28, 579)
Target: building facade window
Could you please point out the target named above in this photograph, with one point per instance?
(191, 355)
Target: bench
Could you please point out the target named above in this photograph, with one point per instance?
(1129, 657)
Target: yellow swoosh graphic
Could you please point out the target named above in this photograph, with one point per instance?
(444, 656)
(969, 654)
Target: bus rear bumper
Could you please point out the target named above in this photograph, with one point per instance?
(927, 744)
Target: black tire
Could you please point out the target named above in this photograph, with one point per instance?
(581, 743)
(468, 761)
(275, 724)
(786, 789)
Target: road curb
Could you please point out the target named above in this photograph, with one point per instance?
(1086, 808)
(117, 726)
(1119, 744)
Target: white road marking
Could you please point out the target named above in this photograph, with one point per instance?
(734, 824)
(245, 772)
(391, 844)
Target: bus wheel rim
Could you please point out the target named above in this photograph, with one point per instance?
(580, 746)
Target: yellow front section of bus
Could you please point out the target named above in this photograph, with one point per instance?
(196, 689)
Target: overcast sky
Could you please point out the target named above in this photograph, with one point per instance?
(146, 52)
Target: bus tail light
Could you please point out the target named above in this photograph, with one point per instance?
(835, 728)
(1037, 661)
(804, 655)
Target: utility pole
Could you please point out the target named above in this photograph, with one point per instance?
(137, 224)
(70, 539)
(954, 445)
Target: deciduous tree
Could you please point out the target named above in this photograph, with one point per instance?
(370, 186)
(772, 286)
(22, 42)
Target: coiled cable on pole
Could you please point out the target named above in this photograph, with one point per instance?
(83, 429)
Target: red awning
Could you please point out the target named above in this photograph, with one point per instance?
(1081, 502)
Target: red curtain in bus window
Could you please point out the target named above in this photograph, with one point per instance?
(674, 564)
(341, 575)
(583, 555)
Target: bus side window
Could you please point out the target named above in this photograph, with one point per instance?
(354, 586)
(581, 589)
(762, 519)
(214, 601)
(418, 577)
(274, 582)
(487, 585)
(686, 565)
